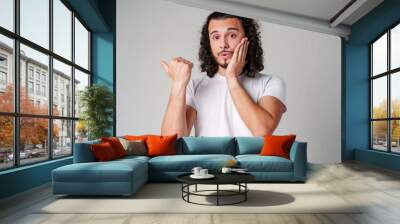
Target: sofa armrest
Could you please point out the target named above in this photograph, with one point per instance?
(83, 152)
(298, 155)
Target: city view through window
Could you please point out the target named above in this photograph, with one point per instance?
(385, 91)
(39, 113)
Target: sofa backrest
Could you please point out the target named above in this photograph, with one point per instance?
(206, 145)
(83, 152)
(249, 145)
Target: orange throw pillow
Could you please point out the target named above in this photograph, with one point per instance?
(116, 145)
(136, 137)
(277, 145)
(161, 145)
(103, 151)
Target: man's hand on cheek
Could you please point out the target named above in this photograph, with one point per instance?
(238, 60)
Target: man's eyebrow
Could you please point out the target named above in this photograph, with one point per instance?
(229, 28)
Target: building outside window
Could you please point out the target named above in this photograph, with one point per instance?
(34, 78)
(30, 87)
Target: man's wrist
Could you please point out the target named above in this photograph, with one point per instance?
(178, 88)
(233, 82)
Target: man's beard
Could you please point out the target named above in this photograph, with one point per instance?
(224, 65)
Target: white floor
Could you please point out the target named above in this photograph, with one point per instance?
(378, 189)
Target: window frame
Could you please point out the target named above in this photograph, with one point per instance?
(16, 115)
(388, 74)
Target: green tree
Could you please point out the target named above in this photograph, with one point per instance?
(96, 102)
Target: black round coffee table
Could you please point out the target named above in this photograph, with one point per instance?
(238, 179)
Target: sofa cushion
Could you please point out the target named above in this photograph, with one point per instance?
(277, 145)
(83, 152)
(116, 145)
(131, 158)
(161, 145)
(134, 147)
(103, 152)
(111, 171)
(185, 163)
(249, 145)
(257, 163)
(206, 145)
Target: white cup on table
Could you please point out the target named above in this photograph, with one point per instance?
(203, 172)
(226, 170)
(196, 170)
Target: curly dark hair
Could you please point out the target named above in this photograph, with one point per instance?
(254, 55)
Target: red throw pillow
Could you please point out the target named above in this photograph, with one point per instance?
(161, 145)
(103, 151)
(277, 145)
(116, 145)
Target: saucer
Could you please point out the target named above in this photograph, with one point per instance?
(208, 176)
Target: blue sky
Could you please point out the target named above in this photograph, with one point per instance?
(34, 26)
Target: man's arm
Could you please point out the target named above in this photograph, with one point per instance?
(260, 119)
(263, 118)
(178, 117)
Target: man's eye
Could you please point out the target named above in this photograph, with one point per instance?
(233, 35)
(216, 37)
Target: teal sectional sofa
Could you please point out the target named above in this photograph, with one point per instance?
(125, 176)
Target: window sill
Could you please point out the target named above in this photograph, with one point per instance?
(25, 167)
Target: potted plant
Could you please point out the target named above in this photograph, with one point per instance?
(96, 102)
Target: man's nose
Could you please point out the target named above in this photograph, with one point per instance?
(224, 43)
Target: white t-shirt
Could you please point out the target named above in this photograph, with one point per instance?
(216, 112)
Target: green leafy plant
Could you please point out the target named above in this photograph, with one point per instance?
(96, 102)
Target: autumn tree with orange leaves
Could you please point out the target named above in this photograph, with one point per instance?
(380, 127)
(34, 130)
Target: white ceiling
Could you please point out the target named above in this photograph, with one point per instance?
(314, 15)
(319, 9)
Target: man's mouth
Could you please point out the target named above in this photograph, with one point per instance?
(225, 54)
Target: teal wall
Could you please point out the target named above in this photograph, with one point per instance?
(24, 178)
(103, 52)
(99, 15)
(356, 82)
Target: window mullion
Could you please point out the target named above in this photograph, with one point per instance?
(50, 81)
(371, 137)
(389, 94)
(73, 82)
(16, 84)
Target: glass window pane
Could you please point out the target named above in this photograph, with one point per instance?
(81, 81)
(81, 45)
(395, 47)
(33, 140)
(395, 94)
(379, 97)
(379, 135)
(395, 136)
(379, 55)
(62, 138)
(6, 74)
(34, 79)
(35, 21)
(6, 142)
(62, 29)
(81, 131)
(62, 89)
(7, 14)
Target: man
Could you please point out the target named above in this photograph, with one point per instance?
(233, 99)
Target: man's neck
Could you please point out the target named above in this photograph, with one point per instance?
(221, 70)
